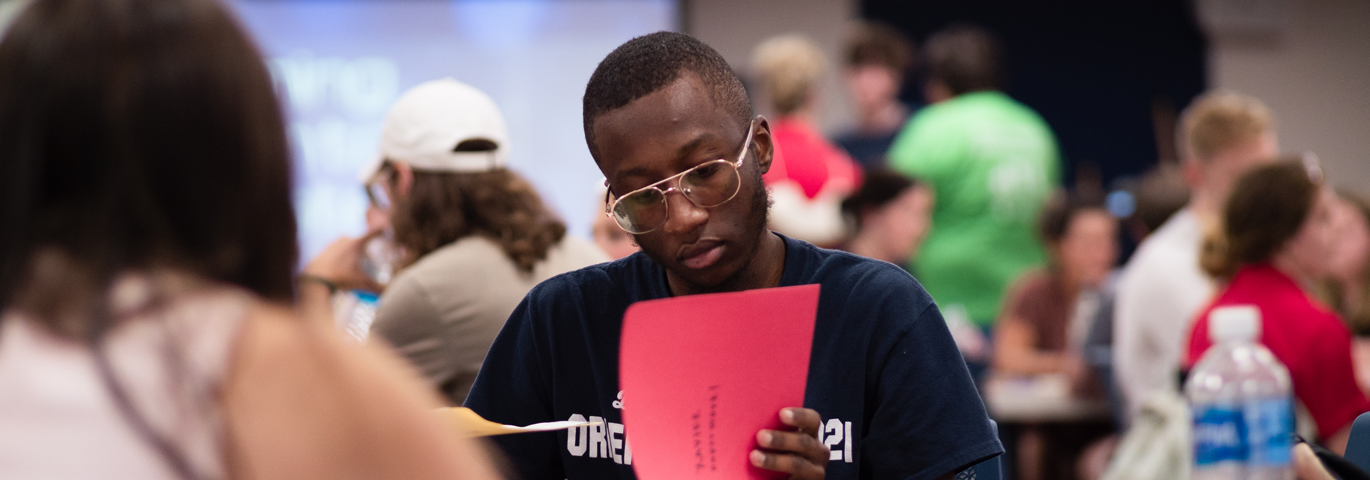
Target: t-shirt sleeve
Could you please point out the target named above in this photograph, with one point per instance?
(1332, 396)
(926, 152)
(928, 419)
(408, 321)
(512, 389)
(1024, 302)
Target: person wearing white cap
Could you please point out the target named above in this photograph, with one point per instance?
(472, 236)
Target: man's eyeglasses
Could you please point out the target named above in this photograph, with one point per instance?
(375, 191)
(708, 184)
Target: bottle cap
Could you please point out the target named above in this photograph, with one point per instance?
(1238, 322)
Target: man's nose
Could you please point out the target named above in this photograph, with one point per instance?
(684, 216)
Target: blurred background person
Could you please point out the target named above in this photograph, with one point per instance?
(809, 176)
(1159, 195)
(146, 269)
(1275, 236)
(992, 163)
(878, 57)
(611, 239)
(889, 216)
(1161, 288)
(474, 235)
(1046, 318)
(1347, 287)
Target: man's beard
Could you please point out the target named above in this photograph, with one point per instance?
(759, 218)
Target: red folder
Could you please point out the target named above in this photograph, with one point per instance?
(702, 374)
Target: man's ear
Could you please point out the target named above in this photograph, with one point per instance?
(1193, 170)
(404, 178)
(761, 141)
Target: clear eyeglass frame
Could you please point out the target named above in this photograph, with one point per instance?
(653, 197)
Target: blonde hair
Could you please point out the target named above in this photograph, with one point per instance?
(788, 67)
(1220, 120)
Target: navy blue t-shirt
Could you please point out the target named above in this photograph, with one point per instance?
(894, 394)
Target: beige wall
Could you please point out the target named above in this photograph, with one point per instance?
(734, 27)
(1314, 72)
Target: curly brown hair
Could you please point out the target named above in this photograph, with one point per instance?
(443, 207)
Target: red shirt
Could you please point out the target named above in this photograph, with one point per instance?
(1307, 337)
(804, 156)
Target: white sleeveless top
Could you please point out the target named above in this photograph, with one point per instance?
(58, 420)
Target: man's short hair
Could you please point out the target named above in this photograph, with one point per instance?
(788, 67)
(964, 58)
(650, 62)
(1220, 120)
(879, 44)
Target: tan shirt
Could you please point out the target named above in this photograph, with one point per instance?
(444, 311)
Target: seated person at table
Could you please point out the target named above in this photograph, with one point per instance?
(1042, 328)
(1045, 320)
(1275, 237)
(670, 126)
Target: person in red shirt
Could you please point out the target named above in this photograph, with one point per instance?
(809, 176)
(1274, 239)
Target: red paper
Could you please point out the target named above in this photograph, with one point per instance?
(702, 374)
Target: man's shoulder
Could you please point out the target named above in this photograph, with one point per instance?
(859, 277)
(622, 275)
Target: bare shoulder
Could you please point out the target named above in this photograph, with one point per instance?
(302, 402)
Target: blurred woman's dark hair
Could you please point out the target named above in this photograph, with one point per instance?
(878, 188)
(1060, 209)
(965, 58)
(441, 208)
(136, 135)
(1266, 209)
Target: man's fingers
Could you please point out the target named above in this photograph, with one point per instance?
(798, 467)
(805, 419)
(370, 234)
(787, 441)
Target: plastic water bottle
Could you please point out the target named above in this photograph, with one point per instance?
(1243, 409)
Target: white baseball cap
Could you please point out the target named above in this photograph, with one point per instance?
(427, 123)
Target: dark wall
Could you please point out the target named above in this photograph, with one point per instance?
(1097, 71)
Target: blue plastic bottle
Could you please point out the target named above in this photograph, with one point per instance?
(1240, 395)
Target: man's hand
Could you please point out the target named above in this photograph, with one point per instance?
(796, 453)
(341, 263)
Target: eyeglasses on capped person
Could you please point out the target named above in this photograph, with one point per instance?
(706, 185)
(377, 194)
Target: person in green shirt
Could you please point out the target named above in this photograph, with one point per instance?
(992, 162)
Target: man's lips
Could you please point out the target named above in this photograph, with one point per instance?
(700, 254)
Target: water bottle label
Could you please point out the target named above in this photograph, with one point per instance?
(1219, 435)
(1270, 424)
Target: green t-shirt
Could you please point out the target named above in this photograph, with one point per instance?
(992, 162)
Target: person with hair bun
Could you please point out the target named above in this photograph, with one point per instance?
(1275, 235)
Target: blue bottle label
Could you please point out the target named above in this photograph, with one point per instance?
(1219, 435)
(1270, 428)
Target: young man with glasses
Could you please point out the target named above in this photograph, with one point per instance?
(671, 128)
